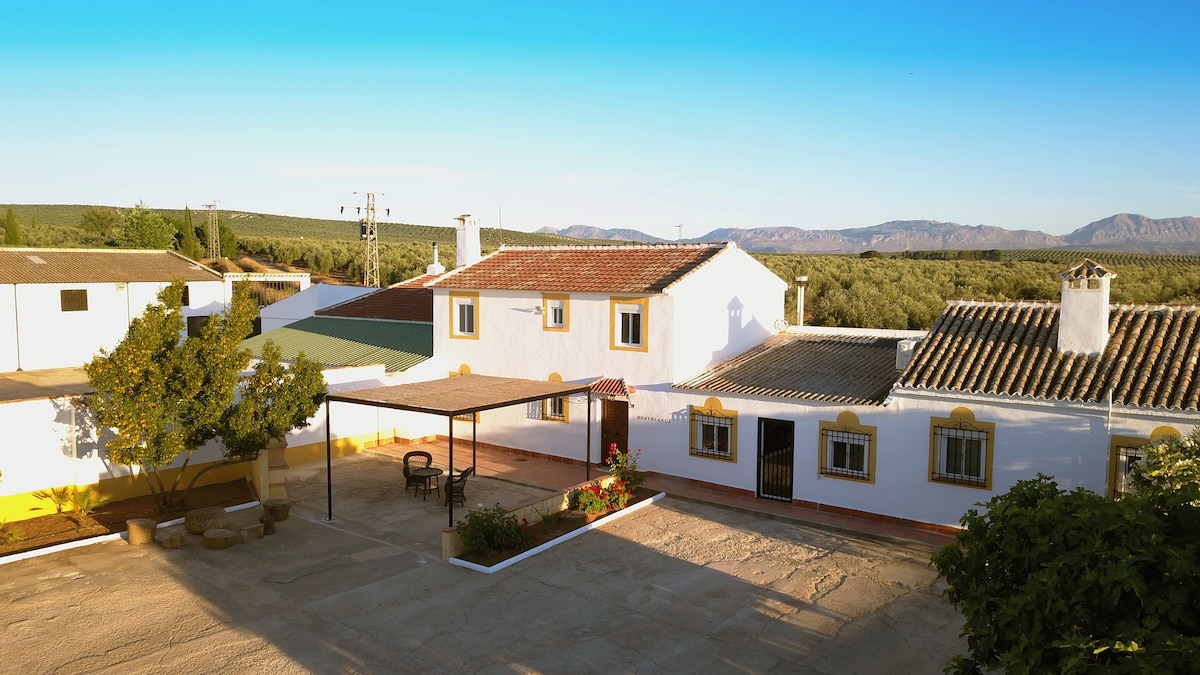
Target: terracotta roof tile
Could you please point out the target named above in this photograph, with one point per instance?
(602, 269)
(612, 386)
(82, 266)
(852, 370)
(1012, 349)
(395, 303)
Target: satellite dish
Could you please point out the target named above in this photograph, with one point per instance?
(781, 325)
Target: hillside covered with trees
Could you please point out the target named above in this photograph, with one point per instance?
(872, 290)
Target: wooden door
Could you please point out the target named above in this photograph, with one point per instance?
(614, 427)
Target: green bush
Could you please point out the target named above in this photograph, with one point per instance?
(494, 529)
(1071, 582)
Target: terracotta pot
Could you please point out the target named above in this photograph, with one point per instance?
(277, 508)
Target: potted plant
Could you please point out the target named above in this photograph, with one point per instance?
(624, 465)
(593, 499)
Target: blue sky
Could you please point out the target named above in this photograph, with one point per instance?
(643, 115)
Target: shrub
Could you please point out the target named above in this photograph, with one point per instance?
(494, 529)
(592, 499)
(616, 495)
(61, 496)
(1071, 582)
(624, 465)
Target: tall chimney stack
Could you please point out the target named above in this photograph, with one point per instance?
(1083, 312)
(469, 251)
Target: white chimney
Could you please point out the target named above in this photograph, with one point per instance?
(1083, 312)
(469, 251)
(904, 352)
(437, 267)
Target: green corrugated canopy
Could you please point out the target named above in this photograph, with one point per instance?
(334, 341)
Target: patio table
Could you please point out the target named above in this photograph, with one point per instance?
(429, 474)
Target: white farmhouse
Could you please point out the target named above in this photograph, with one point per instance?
(629, 318)
(895, 425)
(861, 423)
(59, 307)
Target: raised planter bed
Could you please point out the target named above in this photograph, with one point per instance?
(565, 536)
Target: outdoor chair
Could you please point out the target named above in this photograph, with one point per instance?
(455, 484)
(417, 459)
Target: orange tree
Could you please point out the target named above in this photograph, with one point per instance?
(163, 397)
(1072, 582)
(274, 400)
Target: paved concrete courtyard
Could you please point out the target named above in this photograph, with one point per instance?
(678, 587)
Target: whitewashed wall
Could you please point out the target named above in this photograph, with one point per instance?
(51, 442)
(723, 308)
(1070, 443)
(305, 303)
(9, 361)
(512, 342)
(726, 307)
(41, 335)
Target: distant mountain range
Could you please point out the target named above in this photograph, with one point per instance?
(1128, 232)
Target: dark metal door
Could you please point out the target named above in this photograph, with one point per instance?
(775, 458)
(614, 427)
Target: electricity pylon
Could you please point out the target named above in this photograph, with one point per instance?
(370, 235)
(214, 234)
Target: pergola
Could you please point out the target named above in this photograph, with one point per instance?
(451, 397)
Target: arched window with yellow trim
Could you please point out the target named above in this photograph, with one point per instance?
(1124, 453)
(847, 449)
(555, 409)
(713, 431)
(961, 449)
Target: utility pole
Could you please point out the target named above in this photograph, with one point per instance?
(369, 233)
(214, 233)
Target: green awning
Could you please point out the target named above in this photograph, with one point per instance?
(335, 341)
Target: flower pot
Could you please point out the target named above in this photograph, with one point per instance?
(277, 508)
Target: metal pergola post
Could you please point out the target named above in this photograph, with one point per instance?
(587, 450)
(328, 461)
(449, 497)
(376, 397)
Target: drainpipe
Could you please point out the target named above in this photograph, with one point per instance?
(17, 327)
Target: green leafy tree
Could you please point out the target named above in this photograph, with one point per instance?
(275, 399)
(12, 231)
(229, 240)
(163, 397)
(189, 243)
(1170, 469)
(143, 228)
(1072, 582)
(100, 221)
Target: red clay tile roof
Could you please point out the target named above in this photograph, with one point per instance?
(1012, 349)
(847, 369)
(82, 266)
(601, 269)
(612, 386)
(1088, 269)
(395, 303)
